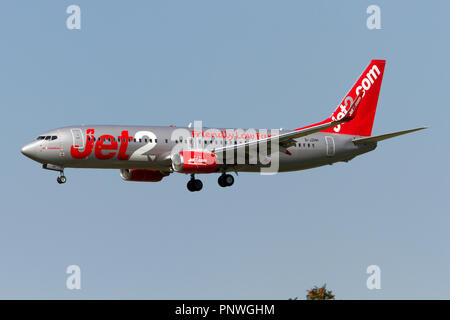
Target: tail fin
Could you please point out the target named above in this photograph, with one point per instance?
(369, 84)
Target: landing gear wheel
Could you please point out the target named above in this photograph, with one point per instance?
(190, 186)
(194, 185)
(225, 180)
(198, 184)
(221, 182)
(229, 180)
(61, 179)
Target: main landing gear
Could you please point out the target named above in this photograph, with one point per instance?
(194, 184)
(225, 180)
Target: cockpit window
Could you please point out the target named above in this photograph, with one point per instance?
(47, 138)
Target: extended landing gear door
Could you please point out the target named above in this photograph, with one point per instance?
(78, 141)
(330, 146)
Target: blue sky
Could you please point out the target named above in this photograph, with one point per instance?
(260, 64)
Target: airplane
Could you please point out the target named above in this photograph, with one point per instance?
(151, 153)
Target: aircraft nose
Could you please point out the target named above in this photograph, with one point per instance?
(28, 150)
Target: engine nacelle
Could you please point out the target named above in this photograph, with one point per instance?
(144, 175)
(194, 162)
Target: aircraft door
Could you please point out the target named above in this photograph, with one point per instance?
(78, 141)
(330, 146)
(60, 143)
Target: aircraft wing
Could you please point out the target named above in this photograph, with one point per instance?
(285, 140)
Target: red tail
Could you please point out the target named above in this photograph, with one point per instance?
(369, 83)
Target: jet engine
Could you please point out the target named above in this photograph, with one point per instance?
(194, 162)
(145, 175)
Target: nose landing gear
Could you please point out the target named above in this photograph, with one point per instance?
(225, 180)
(194, 184)
(61, 179)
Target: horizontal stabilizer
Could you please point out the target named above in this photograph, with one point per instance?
(385, 136)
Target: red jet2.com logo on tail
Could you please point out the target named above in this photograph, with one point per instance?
(366, 84)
